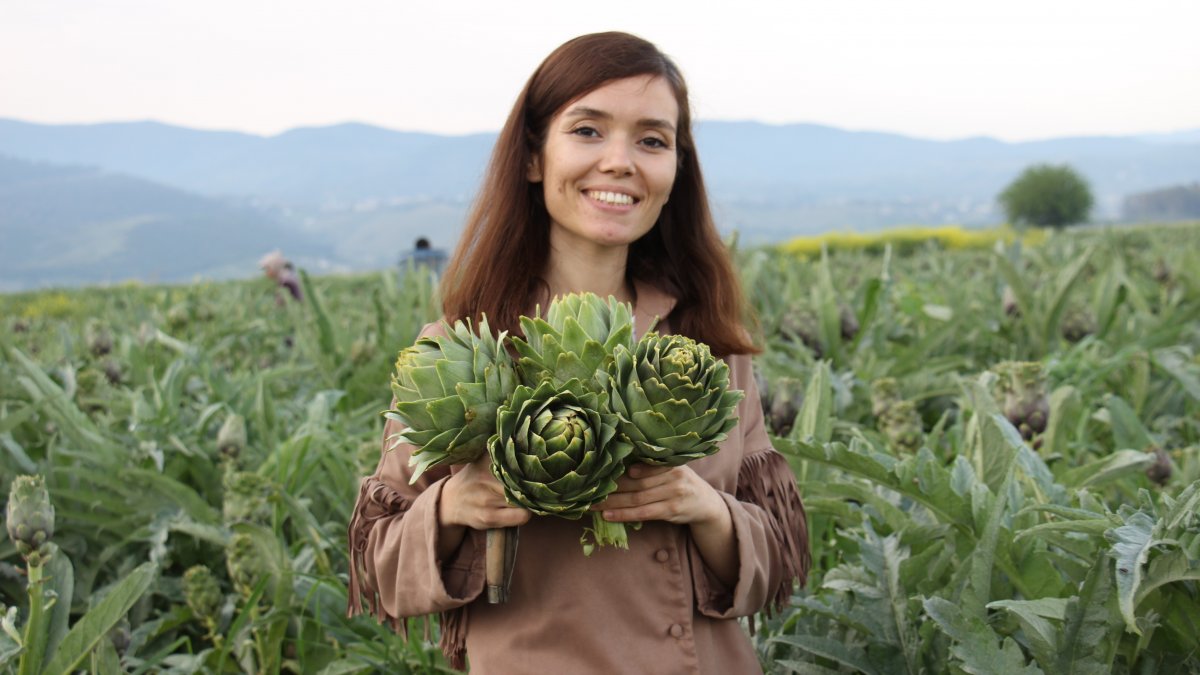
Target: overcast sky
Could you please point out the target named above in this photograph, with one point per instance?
(1011, 69)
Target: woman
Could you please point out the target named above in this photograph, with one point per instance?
(594, 185)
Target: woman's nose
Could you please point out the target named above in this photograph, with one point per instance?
(617, 158)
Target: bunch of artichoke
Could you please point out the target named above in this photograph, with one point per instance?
(447, 391)
(896, 418)
(1022, 391)
(673, 399)
(581, 403)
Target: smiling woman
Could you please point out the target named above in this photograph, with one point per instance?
(594, 185)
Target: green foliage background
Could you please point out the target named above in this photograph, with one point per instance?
(976, 553)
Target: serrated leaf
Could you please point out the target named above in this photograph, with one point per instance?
(1086, 644)
(1034, 615)
(816, 413)
(1108, 468)
(848, 655)
(977, 647)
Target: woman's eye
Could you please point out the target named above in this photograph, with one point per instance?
(587, 132)
(653, 142)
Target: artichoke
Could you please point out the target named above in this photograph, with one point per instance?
(673, 399)
(1160, 471)
(885, 392)
(1022, 387)
(248, 498)
(901, 424)
(575, 340)
(231, 439)
(557, 452)
(245, 563)
(447, 392)
(786, 398)
(201, 592)
(29, 518)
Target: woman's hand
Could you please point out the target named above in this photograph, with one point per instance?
(678, 495)
(473, 498)
(674, 494)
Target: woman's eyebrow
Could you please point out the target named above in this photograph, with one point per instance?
(584, 111)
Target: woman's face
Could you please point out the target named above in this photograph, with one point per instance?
(608, 163)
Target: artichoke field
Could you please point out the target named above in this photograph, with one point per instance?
(201, 448)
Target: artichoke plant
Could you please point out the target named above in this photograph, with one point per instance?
(202, 593)
(248, 498)
(448, 389)
(673, 399)
(29, 518)
(896, 418)
(575, 340)
(231, 439)
(557, 452)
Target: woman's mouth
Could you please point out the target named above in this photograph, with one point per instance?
(611, 198)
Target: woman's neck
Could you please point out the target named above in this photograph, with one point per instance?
(600, 272)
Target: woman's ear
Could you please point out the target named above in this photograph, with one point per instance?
(534, 170)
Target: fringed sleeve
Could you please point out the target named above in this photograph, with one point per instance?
(766, 480)
(376, 500)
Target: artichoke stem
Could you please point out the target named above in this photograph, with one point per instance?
(604, 533)
(35, 631)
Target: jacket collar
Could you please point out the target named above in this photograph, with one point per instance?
(651, 305)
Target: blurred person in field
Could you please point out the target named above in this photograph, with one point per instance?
(282, 272)
(423, 255)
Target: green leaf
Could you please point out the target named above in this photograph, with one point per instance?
(1033, 615)
(1132, 543)
(94, 625)
(1165, 569)
(1108, 468)
(60, 577)
(1127, 429)
(1066, 281)
(977, 647)
(816, 413)
(1086, 644)
(1066, 407)
(849, 656)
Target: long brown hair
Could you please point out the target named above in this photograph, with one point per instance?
(506, 242)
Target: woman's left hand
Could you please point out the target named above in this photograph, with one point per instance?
(674, 494)
(678, 495)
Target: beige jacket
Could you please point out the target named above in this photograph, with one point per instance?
(654, 608)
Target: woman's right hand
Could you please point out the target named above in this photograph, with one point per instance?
(474, 498)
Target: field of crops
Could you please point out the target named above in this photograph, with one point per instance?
(999, 451)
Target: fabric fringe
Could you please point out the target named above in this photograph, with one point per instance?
(765, 479)
(376, 500)
(454, 637)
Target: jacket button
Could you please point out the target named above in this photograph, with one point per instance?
(675, 630)
(662, 555)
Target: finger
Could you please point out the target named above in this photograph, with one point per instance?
(626, 500)
(640, 470)
(628, 484)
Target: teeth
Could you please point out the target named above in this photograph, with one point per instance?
(611, 197)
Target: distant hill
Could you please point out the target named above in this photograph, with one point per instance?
(356, 196)
(73, 225)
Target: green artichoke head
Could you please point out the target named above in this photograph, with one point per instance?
(231, 439)
(901, 424)
(1022, 389)
(201, 592)
(245, 562)
(556, 450)
(575, 340)
(447, 391)
(248, 498)
(885, 392)
(673, 399)
(29, 517)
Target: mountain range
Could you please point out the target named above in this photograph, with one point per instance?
(105, 202)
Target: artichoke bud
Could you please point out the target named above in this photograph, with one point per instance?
(885, 392)
(447, 390)
(575, 341)
(848, 323)
(1162, 271)
(201, 592)
(244, 562)
(802, 325)
(29, 517)
(786, 399)
(672, 399)
(1078, 324)
(1022, 386)
(120, 636)
(98, 338)
(231, 439)
(901, 424)
(1160, 471)
(1008, 301)
(247, 498)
